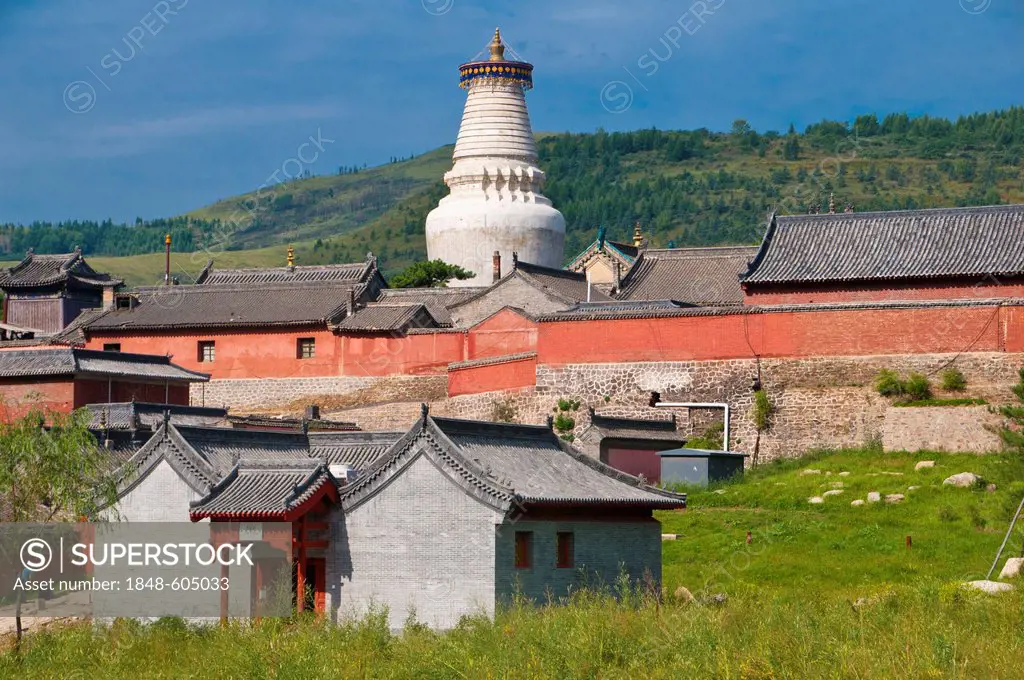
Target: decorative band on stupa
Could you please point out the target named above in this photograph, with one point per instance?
(497, 69)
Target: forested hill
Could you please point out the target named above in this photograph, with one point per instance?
(685, 187)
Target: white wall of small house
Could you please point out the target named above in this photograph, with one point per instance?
(163, 496)
(421, 545)
(601, 549)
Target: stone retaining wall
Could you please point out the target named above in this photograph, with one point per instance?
(941, 428)
(818, 402)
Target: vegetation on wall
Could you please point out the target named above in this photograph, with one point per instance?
(563, 422)
(953, 380)
(1012, 433)
(916, 386)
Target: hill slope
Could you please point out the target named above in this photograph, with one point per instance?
(686, 188)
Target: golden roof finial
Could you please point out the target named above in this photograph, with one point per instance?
(497, 47)
(638, 236)
(291, 256)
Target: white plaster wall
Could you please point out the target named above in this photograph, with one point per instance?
(421, 544)
(162, 496)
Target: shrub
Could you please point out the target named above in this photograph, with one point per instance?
(762, 410)
(917, 387)
(953, 380)
(888, 383)
(948, 514)
(564, 423)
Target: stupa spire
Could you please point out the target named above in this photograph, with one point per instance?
(497, 47)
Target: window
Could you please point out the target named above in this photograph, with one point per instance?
(305, 348)
(207, 352)
(524, 549)
(112, 347)
(565, 548)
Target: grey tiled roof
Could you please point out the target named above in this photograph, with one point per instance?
(224, 447)
(569, 286)
(67, 361)
(502, 465)
(264, 488)
(295, 424)
(47, 270)
(356, 449)
(912, 244)
(236, 305)
(437, 300)
(138, 414)
(700, 276)
(389, 317)
(328, 273)
(661, 429)
(167, 444)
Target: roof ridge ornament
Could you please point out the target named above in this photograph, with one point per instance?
(424, 410)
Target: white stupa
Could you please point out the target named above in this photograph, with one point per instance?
(495, 202)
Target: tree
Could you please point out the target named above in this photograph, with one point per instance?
(429, 274)
(53, 473)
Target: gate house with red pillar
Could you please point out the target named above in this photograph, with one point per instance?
(285, 490)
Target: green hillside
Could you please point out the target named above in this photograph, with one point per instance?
(685, 187)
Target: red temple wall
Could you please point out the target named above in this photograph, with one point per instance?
(783, 334)
(238, 354)
(18, 397)
(507, 332)
(411, 354)
(493, 377)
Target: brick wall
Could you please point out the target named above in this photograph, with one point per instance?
(602, 548)
(420, 545)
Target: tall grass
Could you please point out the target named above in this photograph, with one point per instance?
(929, 631)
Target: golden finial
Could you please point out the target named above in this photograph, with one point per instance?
(167, 240)
(638, 237)
(291, 256)
(497, 47)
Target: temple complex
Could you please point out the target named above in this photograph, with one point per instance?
(496, 204)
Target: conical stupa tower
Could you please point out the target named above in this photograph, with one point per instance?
(495, 201)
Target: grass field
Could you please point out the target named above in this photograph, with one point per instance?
(821, 591)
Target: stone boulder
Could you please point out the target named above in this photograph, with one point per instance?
(1012, 568)
(844, 473)
(809, 472)
(832, 492)
(964, 480)
(683, 594)
(874, 497)
(815, 500)
(669, 537)
(857, 502)
(991, 488)
(894, 498)
(990, 587)
(924, 464)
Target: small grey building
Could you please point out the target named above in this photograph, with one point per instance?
(460, 515)
(699, 466)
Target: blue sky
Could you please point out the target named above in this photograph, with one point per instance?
(125, 108)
